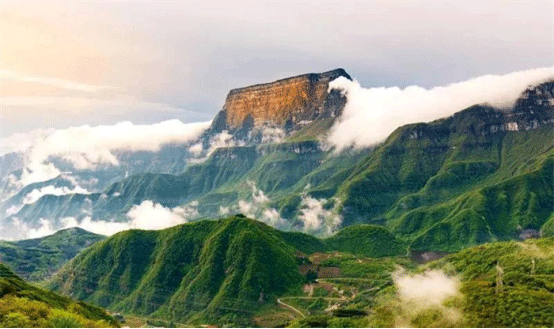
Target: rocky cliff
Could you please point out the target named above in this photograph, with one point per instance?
(286, 103)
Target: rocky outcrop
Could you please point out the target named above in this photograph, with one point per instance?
(287, 103)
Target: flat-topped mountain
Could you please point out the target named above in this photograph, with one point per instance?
(284, 103)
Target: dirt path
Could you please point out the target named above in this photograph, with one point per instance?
(291, 307)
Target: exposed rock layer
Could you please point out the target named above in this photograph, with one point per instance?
(286, 101)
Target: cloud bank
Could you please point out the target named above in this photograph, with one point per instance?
(87, 147)
(36, 194)
(373, 114)
(146, 216)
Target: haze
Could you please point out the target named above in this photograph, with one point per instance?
(75, 63)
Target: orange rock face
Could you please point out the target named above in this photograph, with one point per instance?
(295, 98)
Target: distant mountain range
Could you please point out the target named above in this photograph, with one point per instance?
(481, 175)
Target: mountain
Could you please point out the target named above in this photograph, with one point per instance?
(24, 305)
(216, 271)
(483, 174)
(288, 104)
(38, 259)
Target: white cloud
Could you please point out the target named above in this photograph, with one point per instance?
(86, 146)
(316, 218)
(272, 217)
(22, 141)
(245, 208)
(147, 216)
(154, 216)
(12, 210)
(257, 195)
(373, 114)
(426, 289)
(224, 210)
(259, 208)
(223, 139)
(20, 230)
(36, 194)
(196, 149)
(272, 135)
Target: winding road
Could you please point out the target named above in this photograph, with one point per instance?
(291, 307)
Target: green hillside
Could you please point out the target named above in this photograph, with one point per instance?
(480, 175)
(502, 284)
(218, 271)
(38, 259)
(366, 240)
(449, 189)
(24, 305)
(526, 296)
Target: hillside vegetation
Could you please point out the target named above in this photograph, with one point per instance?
(506, 284)
(38, 259)
(217, 271)
(24, 305)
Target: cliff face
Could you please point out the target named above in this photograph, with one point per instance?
(286, 103)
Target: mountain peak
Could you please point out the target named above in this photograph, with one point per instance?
(286, 103)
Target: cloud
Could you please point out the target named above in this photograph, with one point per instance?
(36, 194)
(223, 139)
(426, 292)
(22, 141)
(154, 216)
(272, 135)
(146, 216)
(316, 218)
(373, 114)
(429, 288)
(257, 195)
(12, 210)
(223, 211)
(60, 83)
(86, 146)
(259, 208)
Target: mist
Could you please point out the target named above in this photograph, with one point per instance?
(86, 147)
(424, 292)
(147, 215)
(372, 114)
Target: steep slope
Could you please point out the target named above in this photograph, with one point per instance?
(288, 104)
(208, 271)
(221, 270)
(24, 305)
(38, 259)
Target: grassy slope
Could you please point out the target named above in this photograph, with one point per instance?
(195, 271)
(37, 259)
(218, 271)
(22, 304)
(452, 185)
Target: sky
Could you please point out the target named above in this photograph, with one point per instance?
(65, 64)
